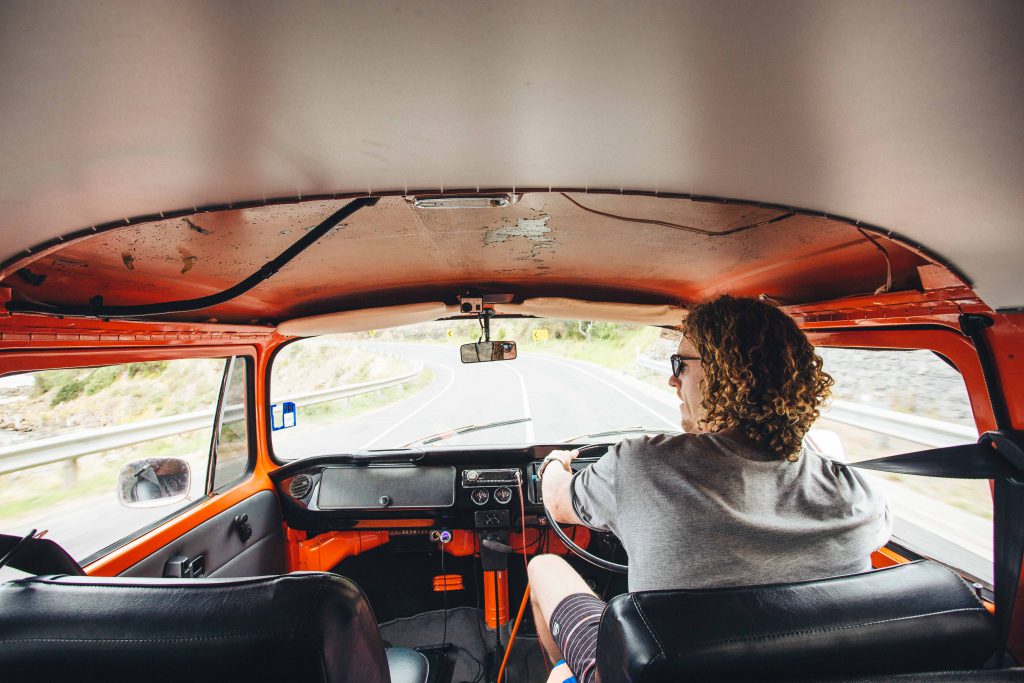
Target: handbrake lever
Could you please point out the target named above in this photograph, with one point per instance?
(497, 546)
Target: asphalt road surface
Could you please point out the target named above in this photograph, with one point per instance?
(563, 398)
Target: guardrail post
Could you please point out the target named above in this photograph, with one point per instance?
(71, 473)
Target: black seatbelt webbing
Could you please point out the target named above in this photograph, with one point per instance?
(1008, 525)
(999, 456)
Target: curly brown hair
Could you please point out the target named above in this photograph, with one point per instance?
(761, 374)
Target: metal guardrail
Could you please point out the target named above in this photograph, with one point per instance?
(912, 428)
(70, 447)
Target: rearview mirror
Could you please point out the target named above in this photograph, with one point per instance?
(153, 482)
(487, 351)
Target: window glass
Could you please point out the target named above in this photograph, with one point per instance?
(65, 435)
(408, 387)
(889, 402)
(233, 438)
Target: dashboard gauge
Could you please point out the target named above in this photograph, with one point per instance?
(480, 496)
(503, 495)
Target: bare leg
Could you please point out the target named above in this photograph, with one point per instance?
(552, 580)
(544, 633)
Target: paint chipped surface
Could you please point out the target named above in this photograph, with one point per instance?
(129, 261)
(534, 231)
(187, 262)
(194, 226)
(68, 264)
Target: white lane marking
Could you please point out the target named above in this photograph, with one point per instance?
(528, 426)
(451, 380)
(665, 420)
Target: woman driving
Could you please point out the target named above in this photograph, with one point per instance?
(740, 499)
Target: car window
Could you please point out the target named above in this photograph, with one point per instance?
(408, 386)
(232, 452)
(65, 436)
(887, 402)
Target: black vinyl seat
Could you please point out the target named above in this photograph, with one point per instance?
(306, 626)
(909, 618)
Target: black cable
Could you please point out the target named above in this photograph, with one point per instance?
(96, 309)
(444, 583)
(497, 616)
(477, 569)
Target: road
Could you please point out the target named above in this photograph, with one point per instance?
(564, 398)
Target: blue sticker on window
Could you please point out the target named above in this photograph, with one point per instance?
(283, 416)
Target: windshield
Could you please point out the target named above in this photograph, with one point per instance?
(407, 387)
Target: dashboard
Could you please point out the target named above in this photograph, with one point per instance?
(468, 488)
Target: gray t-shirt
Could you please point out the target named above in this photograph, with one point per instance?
(709, 510)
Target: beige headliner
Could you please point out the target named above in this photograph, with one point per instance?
(906, 115)
(394, 316)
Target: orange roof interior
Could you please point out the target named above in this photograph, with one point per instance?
(605, 247)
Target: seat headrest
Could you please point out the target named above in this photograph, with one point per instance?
(914, 617)
(305, 626)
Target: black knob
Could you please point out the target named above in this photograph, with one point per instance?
(242, 526)
(384, 501)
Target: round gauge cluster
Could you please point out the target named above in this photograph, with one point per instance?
(502, 495)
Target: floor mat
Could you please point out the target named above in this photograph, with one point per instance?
(525, 662)
(465, 631)
(471, 644)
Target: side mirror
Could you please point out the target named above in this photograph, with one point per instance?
(487, 351)
(153, 482)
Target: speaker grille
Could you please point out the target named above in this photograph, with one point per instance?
(300, 486)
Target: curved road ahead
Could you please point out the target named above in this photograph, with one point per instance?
(564, 398)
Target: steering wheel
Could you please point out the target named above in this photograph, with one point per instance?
(571, 545)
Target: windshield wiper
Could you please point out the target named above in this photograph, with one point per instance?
(623, 430)
(449, 433)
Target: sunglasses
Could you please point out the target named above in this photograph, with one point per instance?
(678, 364)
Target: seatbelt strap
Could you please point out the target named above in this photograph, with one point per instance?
(998, 455)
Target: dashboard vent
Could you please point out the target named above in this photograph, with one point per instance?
(300, 486)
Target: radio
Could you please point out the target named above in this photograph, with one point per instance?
(481, 478)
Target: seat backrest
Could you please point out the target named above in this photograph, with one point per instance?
(914, 617)
(306, 626)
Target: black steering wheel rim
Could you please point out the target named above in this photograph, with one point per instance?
(571, 545)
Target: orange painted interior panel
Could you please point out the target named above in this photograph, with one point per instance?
(884, 557)
(324, 552)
